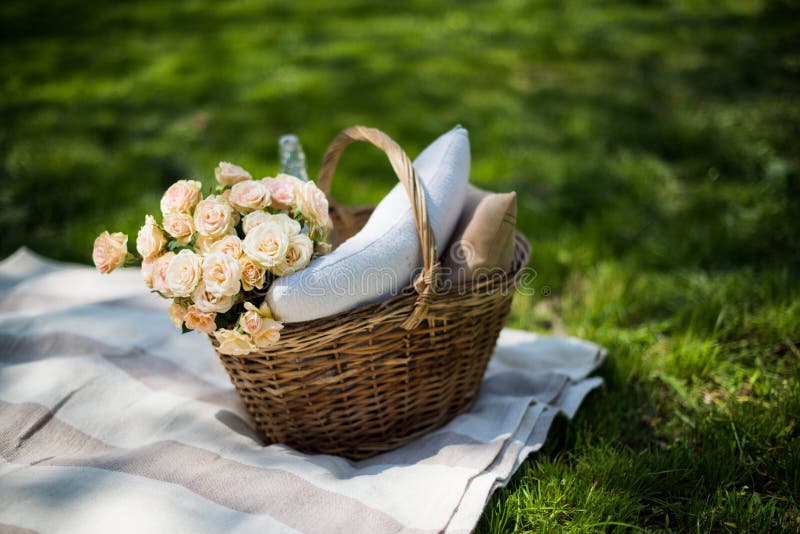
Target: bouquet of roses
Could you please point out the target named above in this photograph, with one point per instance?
(216, 257)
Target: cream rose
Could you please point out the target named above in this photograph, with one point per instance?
(269, 334)
(257, 218)
(298, 255)
(251, 220)
(213, 216)
(249, 196)
(203, 243)
(180, 226)
(184, 273)
(288, 225)
(177, 313)
(222, 274)
(230, 245)
(181, 197)
(110, 251)
(281, 193)
(150, 240)
(149, 271)
(208, 302)
(234, 343)
(313, 205)
(266, 245)
(160, 274)
(229, 174)
(253, 275)
(196, 319)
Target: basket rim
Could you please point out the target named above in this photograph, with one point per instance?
(522, 252)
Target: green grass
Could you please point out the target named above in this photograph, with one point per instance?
(654, 146)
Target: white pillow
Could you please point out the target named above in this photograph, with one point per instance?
(380, 259)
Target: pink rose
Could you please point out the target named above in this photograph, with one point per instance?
(180, 226)
(281, 193)
(149, 271)
(208, 302)
(213, 217)
(160, 274)
(230, 245)
(229, 174)
(110, 251)
(251, 321)
(249, 196)
(177, 313)
(180, 197)
(199, 320)
(313, 205)
(258, 323)
(150, 240)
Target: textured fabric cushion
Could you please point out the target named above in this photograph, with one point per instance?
(483, 240)
(381, 258)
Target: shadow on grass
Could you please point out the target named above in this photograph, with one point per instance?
(627, 460)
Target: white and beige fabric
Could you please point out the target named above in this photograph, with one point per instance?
(483, 240)
(112, 421)
(380, 259)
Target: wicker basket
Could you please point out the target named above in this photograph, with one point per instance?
(374, 378)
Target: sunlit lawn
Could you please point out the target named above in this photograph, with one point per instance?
(654, 146)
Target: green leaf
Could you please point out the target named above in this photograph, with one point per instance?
(228, 319)
(176, 246)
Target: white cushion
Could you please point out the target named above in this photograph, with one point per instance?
(380, 259)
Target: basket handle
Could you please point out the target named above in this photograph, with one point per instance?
(428, 280)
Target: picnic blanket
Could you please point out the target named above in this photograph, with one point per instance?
(112, 421)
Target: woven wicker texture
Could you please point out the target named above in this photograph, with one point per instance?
(375, 378)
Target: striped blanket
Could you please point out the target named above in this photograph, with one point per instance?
(112, 421)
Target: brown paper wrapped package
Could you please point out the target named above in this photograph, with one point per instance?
(483, 240)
